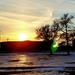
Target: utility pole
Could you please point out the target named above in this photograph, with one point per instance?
(7, 39)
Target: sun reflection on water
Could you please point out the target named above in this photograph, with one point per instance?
(23, 58)
(19, 60)
(25, 61)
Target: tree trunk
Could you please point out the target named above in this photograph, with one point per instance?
(68, 52)
(51, 52)
(51, 41)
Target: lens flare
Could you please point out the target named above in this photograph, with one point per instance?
(54, 46)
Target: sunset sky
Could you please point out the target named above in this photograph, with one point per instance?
(24, 16)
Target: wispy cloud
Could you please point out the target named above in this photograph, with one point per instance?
(26, 15)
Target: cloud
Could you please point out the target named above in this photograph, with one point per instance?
(59, 1)
(27, 15)
(71, 1)
(11, 22)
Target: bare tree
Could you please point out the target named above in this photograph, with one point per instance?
(48, 32)
(55, 28)
(44, 33)
(65, 20)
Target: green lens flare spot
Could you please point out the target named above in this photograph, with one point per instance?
(54, 46)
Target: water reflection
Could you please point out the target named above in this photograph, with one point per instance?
(17, 60)
(22, 58)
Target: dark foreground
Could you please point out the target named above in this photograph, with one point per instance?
(37, 64)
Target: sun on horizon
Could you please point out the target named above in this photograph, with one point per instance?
(22, 36)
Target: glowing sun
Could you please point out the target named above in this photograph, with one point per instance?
(22, 37)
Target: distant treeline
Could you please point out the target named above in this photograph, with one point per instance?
(25, 46)
(31, 46)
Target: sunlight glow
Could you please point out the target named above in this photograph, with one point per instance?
(22, 37)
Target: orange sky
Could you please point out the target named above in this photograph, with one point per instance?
(24, 16)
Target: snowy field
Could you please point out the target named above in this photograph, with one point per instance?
(37, 64)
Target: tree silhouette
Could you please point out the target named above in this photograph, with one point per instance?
(55, 28)
(48, 32)
(44, 33)
(65, 20)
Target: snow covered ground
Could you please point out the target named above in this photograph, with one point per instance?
(36, 63)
